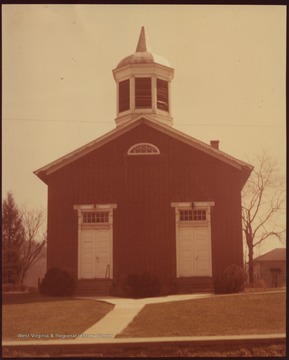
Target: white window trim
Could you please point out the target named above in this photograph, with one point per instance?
(93, 207)
(195, 205)
(194, 221)
(136, 154)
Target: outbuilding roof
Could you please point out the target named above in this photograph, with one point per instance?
(278, 254)
(244, 168)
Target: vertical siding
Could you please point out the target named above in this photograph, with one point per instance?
(226, 220)
(143, 188)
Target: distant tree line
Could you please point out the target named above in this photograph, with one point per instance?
(23, 240)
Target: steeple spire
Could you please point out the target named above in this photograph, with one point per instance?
(143, 82)
(142, 43)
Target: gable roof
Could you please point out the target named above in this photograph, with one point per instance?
(46, 170)
(278, 254)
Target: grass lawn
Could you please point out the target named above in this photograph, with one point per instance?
(220, 315)
(33, 313)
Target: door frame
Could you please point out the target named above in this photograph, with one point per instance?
(195, 205)
(94, 208)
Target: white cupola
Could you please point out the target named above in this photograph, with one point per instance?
(143, 82)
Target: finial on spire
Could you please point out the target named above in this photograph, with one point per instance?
(142, 45)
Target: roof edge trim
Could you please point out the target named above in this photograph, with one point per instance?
(121, 129)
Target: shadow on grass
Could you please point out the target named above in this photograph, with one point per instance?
(27, 298)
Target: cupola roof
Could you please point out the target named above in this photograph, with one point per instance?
(143, 55)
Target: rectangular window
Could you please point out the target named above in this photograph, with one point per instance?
(143, 93)
(124, 94)
(192, 215)
(162, 95)
(95, 217)
(199, 214)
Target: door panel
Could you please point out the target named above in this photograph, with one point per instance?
(102, 252)
(96, 252)
(186, 254)
(202, 251)
(194, 251)
(88, 256)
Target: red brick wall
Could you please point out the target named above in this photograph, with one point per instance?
(143, 188)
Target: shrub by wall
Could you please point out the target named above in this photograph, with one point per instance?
(232, 280)
(57, 282)
(17, 288)
(140, 286)
(13, 287)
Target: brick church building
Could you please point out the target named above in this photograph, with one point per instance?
(145, 197)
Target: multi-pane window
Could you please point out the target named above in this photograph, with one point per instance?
(162, 95)
(143, 93)
(123, 91)
(143, 149)
(192, 215)
(95, 217)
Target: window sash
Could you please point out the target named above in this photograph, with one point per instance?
(143, 149)
(95, 217)
(193, 215)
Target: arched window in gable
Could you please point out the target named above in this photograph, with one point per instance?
(143, 149)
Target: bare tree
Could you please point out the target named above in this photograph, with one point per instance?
(12, 239)
(263, 200)
(35, 239)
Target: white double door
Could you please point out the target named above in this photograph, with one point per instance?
(194, 251)
(96, 253)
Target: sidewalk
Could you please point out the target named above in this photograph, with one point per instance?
(124, 312)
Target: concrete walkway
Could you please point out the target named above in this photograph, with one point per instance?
(124, 312)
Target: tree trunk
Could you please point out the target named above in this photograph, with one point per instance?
(21, 277)
(251, 273)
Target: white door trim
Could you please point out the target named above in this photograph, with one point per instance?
(204, 205)
(94, 207)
